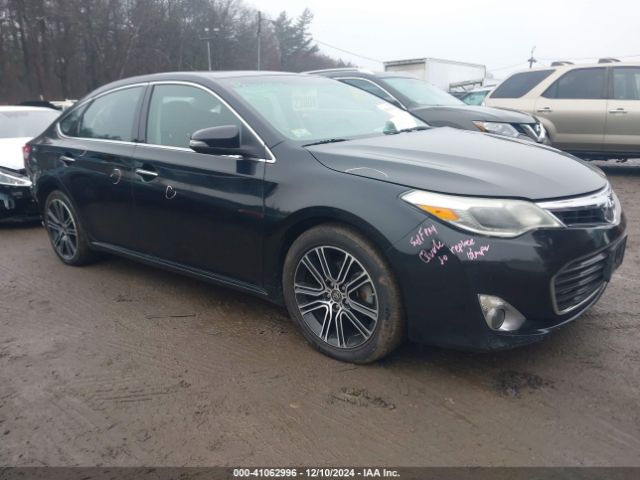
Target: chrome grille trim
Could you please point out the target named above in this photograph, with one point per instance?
(536, 131)
(600, 208)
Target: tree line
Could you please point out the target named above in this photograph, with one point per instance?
(55, 49)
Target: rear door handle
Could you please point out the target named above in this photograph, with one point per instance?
(147, 175)
(67, 159)
(618, 110)
(544, 110)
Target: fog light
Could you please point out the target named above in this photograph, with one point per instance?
(499, 314)
(495, 318)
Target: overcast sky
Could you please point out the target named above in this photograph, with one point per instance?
(496, 33)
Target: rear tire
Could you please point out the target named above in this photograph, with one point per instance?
(343, 294)
(66, 234)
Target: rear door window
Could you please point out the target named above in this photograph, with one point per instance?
(112, 116)
(626, 83)
(520, 84)
(583, 83)
(69, 124)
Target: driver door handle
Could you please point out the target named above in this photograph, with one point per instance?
(147, 175)
(67, 159)
(545, 110)
(618, 111)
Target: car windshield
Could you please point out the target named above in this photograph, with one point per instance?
(312, 109)
(421, 92)
(475, 98)
(25, 123)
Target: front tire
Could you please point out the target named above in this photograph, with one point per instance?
(67, 236)
(343, 294)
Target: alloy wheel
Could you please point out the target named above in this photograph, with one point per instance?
(62, 229)
(336, 297)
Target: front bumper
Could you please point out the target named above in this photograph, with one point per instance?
(442, 271)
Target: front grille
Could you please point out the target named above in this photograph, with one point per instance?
(578, 282)
(531, 130)
(600, 208)
(582, 216)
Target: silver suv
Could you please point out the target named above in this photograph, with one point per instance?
(592, 111)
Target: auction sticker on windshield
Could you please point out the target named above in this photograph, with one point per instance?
(304, 99)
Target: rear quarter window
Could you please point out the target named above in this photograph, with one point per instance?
(520, 84)
(69, 124)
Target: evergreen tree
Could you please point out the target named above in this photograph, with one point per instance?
(295, 40)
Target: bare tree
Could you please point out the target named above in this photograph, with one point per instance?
(64, 48)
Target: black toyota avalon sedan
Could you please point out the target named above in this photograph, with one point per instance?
(367, 224)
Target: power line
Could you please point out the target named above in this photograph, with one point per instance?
(347, 51)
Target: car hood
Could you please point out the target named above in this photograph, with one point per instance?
(471, 112)
(11, 152)
(462, 162)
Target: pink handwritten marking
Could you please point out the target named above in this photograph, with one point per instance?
(481, 252)
(462, 244)
(427, 255)
(422, 234)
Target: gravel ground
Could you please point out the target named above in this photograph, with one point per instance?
(121, 364)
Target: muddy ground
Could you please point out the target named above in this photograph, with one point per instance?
(122, 364)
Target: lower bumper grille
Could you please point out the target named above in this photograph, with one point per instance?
(578, 282)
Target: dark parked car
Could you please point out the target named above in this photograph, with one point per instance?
(368, 225)
(439, 108)
(18, 125)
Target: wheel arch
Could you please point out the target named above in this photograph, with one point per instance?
(303, 221)
(43, 189)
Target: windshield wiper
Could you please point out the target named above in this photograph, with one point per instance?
(411, 129)
(328, 140)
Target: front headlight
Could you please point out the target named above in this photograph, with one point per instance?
(14, 180)
(488, 216)
(497, 128)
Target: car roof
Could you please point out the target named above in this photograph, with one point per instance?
(570, 66)
(187, 76)
(22, 108)
(356, 72)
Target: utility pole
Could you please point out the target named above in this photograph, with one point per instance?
(259, 33)
(208, 39)
(532, 60)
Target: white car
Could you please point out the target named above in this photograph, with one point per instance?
(18, 125)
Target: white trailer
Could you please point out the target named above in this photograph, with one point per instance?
(446, 74)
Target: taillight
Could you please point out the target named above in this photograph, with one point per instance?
(26, 150)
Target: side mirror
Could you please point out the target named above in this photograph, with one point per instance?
(224, 140)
